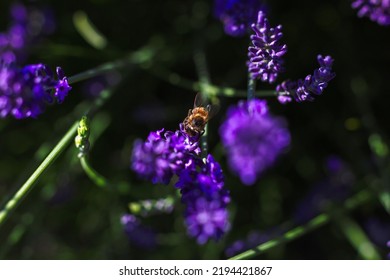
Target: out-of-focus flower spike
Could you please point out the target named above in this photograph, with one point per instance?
(377, 10)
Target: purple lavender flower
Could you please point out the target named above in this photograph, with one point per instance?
(25, 92)
(312, 86)
(253, 139)
(27, 25)
(163, 154)
(139, 235)
(237, 15)
(206, 200)
(265, 56)
(333, 189)
(201, 183)
(377, 10)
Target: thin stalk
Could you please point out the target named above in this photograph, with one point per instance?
(29, 184)
(204, 78)
(251, 87)
(139, 57)
(318, 221)
(211, 89)
(357, 237)
(378, 141)
(95, 176)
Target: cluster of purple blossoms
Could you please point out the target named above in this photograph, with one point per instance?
(163, 154)
(310, 87)
(25, 92)
(27, 25)
(237, 15)
(201, 183)
(202, 188)
(377, 10)
(265, 56)
(253, 139)
(139, 235)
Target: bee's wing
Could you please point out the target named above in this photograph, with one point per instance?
(212, 109)
(199, 100)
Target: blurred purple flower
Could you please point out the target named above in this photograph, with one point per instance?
(237, 15)
(25, 92)
(378, 230)
(253, 139)
(312, 86)
(334, 189)
(388, 246)
(206, 200)
(27, 25)
(377, 10)
(265, 54)
(163, 154)
(139, 235)
(93, 87)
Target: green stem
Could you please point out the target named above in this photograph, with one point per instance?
(211, 89)
(139, 57)
(251, 87)
(28, 185)
(204, 78)
(299, 231)
(357, 237)
(95, 176)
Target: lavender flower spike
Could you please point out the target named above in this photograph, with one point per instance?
(203, 193)
(163, 154)
(139, 235)
(377, 10)
(253, 139)
(237, 15)
(265, 56)
(312, 86)
(24, 93)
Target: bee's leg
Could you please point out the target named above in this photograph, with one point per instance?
(189, 112)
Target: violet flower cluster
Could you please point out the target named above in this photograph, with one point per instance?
(25, 92)
(253, 139)
(27, 25)
(266, 54)
(138, 234)
(237, 15)
(165, 154)
(310, 87)
(377, 10)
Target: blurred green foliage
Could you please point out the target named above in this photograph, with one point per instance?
(67, 217)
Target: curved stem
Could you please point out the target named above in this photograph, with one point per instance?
(95, 176)
(299, 231)
(28, 185)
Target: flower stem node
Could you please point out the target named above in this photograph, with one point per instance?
(81, 139)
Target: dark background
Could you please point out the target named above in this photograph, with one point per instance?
(67, 217)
